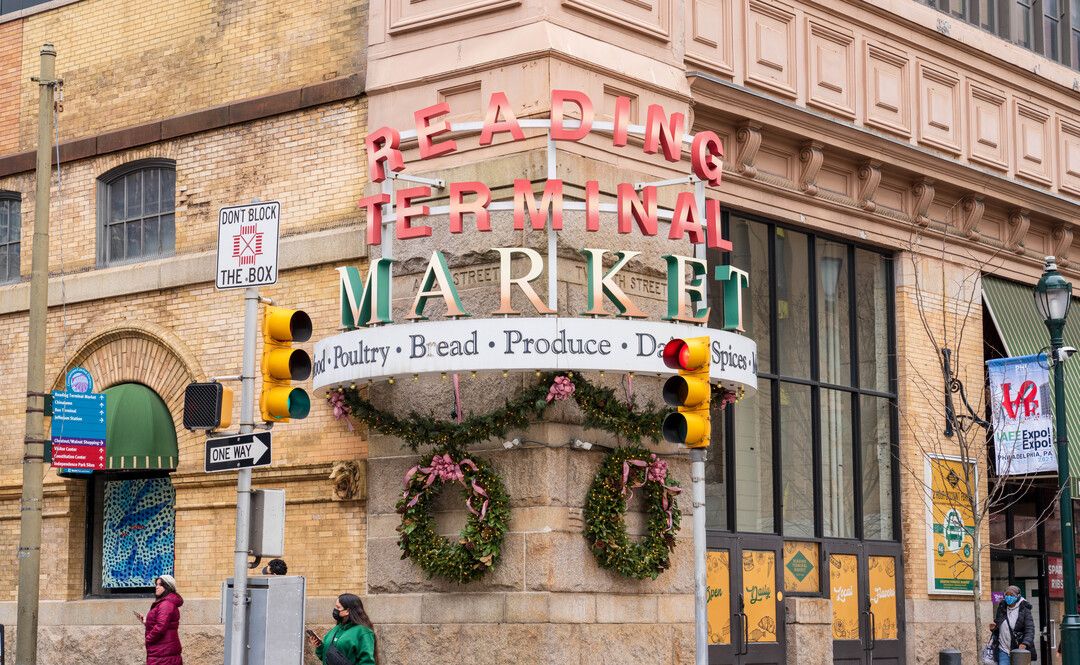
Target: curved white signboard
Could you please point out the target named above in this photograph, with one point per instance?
(517, 344)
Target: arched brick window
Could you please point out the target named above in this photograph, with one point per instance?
(136, 204)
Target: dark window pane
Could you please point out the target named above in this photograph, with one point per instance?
(151, 192)
(168, 190)
(134, 195)
(151, 242)
(872, 319)
(837, 465)
(750, 242)
(716, 486)
(1023, 20)
(988, 15)
(134, 239)
(168, 233)
(4, 222)
(14, 221)
(116, 242)
(4, 271)
(833, 322)
(877, 464)
(13, 260)
(796, 440)
(116, 201)
(1025, 527)
(753, 461)
(792, 303)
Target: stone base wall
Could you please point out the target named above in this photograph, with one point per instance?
(809, 631)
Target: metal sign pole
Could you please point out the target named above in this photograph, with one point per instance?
(238, 630)
(701, 626)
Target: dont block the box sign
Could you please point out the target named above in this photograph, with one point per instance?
(248, 245)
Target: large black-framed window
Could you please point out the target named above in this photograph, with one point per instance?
(136, 212)
(1048, 27)
(10, 235)
(811, 454)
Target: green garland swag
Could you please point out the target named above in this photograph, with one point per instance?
(623, 471)
(600, 406)
(479, 544)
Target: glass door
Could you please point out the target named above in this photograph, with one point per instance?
(865, 586)
(745, 601)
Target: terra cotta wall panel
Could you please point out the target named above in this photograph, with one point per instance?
(831, 67)
(988, 128)
(939, 107)
(408, 15)
(1069, 143)
(1033, 150)
(770, 47)
(709, 35)
(648, 17)
(888, 96)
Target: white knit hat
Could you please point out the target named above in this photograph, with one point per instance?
(169, 581)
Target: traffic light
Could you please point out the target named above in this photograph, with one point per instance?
(282, 364)
(207, 406)
(690, 391)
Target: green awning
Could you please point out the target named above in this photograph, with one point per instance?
(139, 430)
(1012, 309)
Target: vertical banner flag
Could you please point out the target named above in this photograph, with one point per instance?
(1023, 420)
(952, 525)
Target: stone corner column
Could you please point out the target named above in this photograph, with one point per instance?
(809, 630)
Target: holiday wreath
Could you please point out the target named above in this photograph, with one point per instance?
(623, 471)
(479, 544)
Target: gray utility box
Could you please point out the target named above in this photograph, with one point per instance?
(267, 533)
(275, 626)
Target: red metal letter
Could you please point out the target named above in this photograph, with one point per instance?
(707, 157)
(584, 104)
(686, 219)
(592, 205)
(406, 212)
(426, 132)
(659, 134)
(712, 222)
(373, 205)
(622, 121)
(498, 105)
(382, 146)
(632, 210)
(478, 206)
(524, 200)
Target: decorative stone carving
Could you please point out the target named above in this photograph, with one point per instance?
(811, 156)
(748, 141)
(1019, 221)
(922, 193)
(969, 212)
(1063, 237)
(869, 179)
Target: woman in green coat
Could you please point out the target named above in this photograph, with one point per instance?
(352, 640)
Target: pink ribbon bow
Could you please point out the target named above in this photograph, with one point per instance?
(444, 469)
(655, 471)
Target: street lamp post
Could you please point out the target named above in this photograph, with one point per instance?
(1053, 295)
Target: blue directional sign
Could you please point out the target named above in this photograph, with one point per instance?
(78, 430)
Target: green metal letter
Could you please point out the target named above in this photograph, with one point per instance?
(372, 305)
(735, 281)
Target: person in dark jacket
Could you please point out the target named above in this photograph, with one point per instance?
(352, 640)
(163, 623)
(1013, 625)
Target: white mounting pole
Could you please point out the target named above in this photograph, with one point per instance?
(553, 240)
(701, 621)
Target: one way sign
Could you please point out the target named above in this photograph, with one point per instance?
(241, 451)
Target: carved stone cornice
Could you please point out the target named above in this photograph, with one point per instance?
(811, 157)
(1019, 221)
(869, 178)
(922, 195)
(1063, 237)
(968, 214)
(748, 141)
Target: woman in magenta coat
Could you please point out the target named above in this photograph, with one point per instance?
(162, 623)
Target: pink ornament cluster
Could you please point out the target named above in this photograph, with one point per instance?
(444, 469)
(560, 389)
(337, 400)
(655, 471)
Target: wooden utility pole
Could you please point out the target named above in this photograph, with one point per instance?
(34, 442)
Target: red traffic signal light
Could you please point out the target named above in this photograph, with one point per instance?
(689, 391)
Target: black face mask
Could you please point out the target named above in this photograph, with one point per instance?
(337, 615)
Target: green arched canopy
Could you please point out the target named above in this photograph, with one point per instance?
(139, 430)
